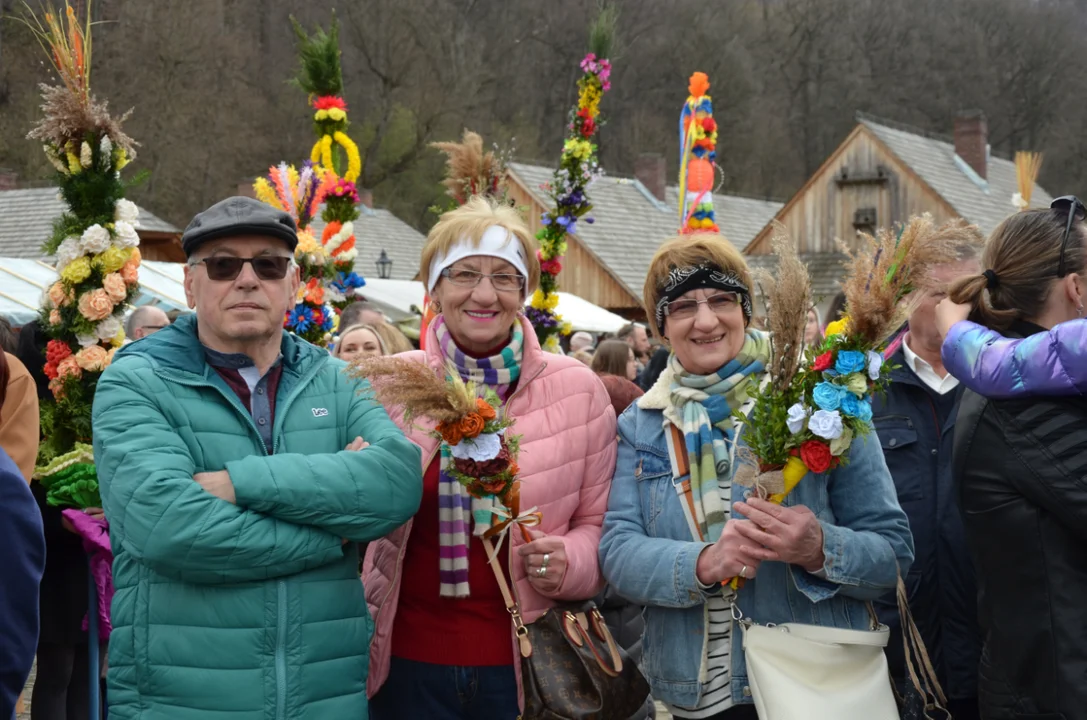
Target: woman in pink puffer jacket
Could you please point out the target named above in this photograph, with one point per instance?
(443, 645)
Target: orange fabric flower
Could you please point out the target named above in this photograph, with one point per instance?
(495, 485)
(69, 366)
(331, 229)
(485, 410)
(130, 273)
(514, 469)
(96, 305)
(471, 425)
(54, 317)
(315, 292)
(114, 284)
(699, 84)
(93, 357)
(450, 432)
(59, 295)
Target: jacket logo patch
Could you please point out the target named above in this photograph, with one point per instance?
(320, 412)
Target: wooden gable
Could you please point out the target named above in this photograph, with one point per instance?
(583, 273)
(861, 186)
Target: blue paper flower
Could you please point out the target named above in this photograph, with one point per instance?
(826, 424)
(300, 319)
(545, 219)
(850, 361)
(855, 407)
(828, 396)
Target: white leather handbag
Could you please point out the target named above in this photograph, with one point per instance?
(808, 672)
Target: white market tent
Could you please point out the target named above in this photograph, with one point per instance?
(23, 283)
(398, 298)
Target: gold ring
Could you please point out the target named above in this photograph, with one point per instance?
(743, 572)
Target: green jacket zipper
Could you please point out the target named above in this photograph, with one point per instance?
(281, 653)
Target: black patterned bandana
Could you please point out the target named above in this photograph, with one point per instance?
(681, 281)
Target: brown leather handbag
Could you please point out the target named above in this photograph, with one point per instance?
(571, 666)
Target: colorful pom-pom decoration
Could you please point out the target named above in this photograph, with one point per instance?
(697, 160)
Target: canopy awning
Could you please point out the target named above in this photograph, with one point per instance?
(23, 284)
(583, 315)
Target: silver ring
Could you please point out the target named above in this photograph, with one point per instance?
(541, 571)
(743, 572)
(546, 559)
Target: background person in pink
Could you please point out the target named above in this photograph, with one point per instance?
(443, 645)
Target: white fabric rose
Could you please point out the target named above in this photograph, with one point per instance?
(333, 295)
(126, 211)
(108, 328)
(798, 415)
(826, 424)
(68, 251)
(125, 235)
(86, 340)
(95, 239)
(481, 448)
(875, 362)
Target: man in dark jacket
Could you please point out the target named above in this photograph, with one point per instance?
(23, 562)
(915, 421)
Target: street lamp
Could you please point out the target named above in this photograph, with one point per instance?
(384, 266)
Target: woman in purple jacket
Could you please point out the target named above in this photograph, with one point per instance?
(1020, 460)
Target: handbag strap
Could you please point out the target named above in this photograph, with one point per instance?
(519, 627)
(507, 597)
(923, 678)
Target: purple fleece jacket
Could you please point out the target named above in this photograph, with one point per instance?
(1050, 363)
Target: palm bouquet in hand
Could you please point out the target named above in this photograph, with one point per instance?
(467, 417)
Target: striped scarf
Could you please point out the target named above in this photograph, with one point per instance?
(456, 508)
(702, 407)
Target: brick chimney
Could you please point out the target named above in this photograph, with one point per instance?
(9, 179)
(366, 197)
(972, 140)
(650, 170)
(246, 190)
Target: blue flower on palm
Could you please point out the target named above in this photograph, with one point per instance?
(300, 319)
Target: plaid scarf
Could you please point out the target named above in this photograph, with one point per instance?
(702, 407)
(455, 506)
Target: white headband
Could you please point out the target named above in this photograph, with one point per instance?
(497, 242)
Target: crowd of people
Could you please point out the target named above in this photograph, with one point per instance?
(285, 546)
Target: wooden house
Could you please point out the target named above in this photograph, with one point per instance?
(606, 261)
(882, 174)
(27, 216)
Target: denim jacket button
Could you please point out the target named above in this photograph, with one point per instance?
(747, 494)
(747, 691)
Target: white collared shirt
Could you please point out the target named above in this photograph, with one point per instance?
(924, 372)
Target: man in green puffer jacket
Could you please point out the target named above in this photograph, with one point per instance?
(239, 467)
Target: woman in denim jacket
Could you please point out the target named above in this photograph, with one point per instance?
(838, 542)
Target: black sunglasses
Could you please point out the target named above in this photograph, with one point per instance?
(1077, 211)
(227, 267)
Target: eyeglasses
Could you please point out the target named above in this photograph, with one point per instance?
(1076, 212)
(227, 267)
(720, 304)
(502, 282)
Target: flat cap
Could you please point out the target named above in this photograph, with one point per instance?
(238, 216)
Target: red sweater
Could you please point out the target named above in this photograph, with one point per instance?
(470, 631)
